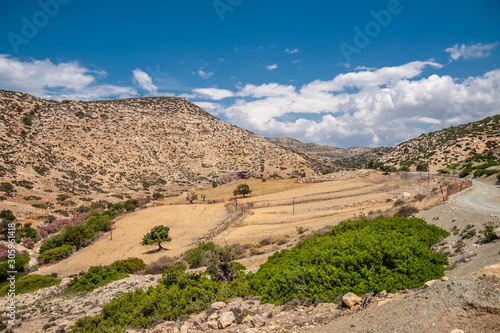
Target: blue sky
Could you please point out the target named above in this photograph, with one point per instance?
(350, 73)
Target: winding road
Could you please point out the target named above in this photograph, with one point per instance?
(482, 196)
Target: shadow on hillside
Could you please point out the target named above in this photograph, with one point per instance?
(156, 250)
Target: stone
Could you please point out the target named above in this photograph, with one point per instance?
(212, 324)
(258, 321)
(445, 278)
(456, 330)
(383, 293)
(429, 284)
(247, 319)
(351, 299)
(213, 316)
(226, 319)
(218, 305)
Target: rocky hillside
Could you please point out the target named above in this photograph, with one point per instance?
(333, 157)
(127, 147)
(448, 146)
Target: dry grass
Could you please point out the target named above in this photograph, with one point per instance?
(317, 206)
(225, 192)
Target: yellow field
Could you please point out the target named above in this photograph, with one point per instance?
(267, 213)
(225, 192)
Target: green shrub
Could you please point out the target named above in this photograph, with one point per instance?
(356, 256)
(21, 260)
(78, 235)
(56, 241)
(465, 172)
(95, 277)
(131, 265)
(57, 253)
(177, 294)
(130, 205)
(195, 257)
(31, 282)
(99, 223)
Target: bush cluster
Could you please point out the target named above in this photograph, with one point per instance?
(357, 256)
(57, 253)
(176, 294)
(31, 282)
(129, 266)
(95, 277)
(78, 236)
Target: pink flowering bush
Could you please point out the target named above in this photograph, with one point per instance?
(4, 248)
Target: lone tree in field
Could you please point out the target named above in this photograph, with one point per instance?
(191, 197)
(242, 189)
(158, 235)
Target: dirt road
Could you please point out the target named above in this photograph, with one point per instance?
(483, 196)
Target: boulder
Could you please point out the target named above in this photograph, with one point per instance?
(226, 319)
(218, 305)
(351, 299)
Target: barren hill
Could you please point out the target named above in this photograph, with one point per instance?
(126, 147)
(354, 157)
(448, 146)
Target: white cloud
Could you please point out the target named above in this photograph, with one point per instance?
(428, 120)
(371, 107)
(144, 81)
(470, 51)
(65, 80)
(205, 75)
(210, 107)
(292, 51)
(271, 67)
(213, 93)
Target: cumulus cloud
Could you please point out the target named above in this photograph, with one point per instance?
(470, 51)
(205, 75)
(271, 67)
(210, 107)
(144, 81)
(370, 107)
(213, 93)
(65, 80)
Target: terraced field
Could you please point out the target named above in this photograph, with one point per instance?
(275, 210)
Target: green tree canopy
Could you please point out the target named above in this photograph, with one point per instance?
(157, 235)
(242, 189)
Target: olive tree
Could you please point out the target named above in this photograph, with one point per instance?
(157, 235)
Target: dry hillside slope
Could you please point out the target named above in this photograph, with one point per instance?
(125, 147)
(448, 146)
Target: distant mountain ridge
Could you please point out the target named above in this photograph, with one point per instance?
(355, 157)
